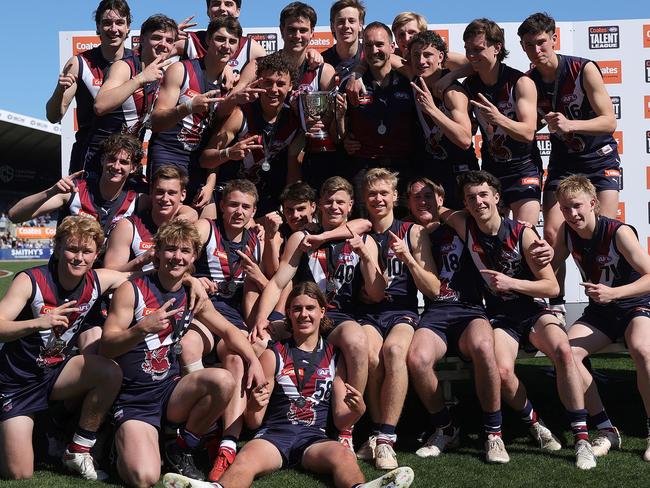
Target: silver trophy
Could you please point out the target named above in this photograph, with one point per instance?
(318, 106)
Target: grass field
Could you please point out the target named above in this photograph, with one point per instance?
(465, 467)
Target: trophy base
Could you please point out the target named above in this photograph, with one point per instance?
(318, 145)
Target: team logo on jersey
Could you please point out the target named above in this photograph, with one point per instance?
(402, 95)
(569, 98)
(447, 248)
(302, 415)
(616, 104)
(603, 259)
(503, 106)
(647, 70)
(269, 41)
(532, 180)
(604, 37)
(156, 363)
(543, 144)
(323, 372)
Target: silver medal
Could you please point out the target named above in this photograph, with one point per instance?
(177, 348)
(381, 129)
(266, 166)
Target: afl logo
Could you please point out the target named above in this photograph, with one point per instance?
(448, 248)
(603, 259)
(233, 63)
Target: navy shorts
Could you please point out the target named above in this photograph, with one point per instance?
(338, 317)
(517, 319)
(384, 320)
(291, 441)
(26, 398)
(521, 185)
(275, 315)
(98, 313)
(148, 405)
(230, 313)
(611, 320)
(607, 177)
(448, 320)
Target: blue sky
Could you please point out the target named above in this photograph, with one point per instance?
(31, 27)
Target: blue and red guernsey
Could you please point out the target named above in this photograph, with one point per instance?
(334, 267)
(600, 261)
(221, 263)
(500, 153)
(277, 137)
(437, 146)
(343, 67)
(503, 253)
(144, 229)
(459, 281)
(89, 202)
(401, 289)
(92, 69)
(308, 79)
(572, 150)
(32, 356)
(196, 47)
(176, 144)
(152, 361)
(385, 122)
(318, 374)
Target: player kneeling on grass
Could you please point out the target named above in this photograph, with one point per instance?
(616, 274)
(305, 383)
(42, 319)
(148, 316)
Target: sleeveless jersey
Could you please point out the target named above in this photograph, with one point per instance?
(459, 281)
(334, 267)
(33, 355)
(177, 144)
(196, 47)
(503, 253)
(572, 150)
(500, 153)
(144, 229)
(401, 289)
(385, 122)
(318, 371)
(92, 69)
(600, 261)
(89, 202)
(276, 138)
(343, 67)
(152, 361)
(438, 148)
(221, 263)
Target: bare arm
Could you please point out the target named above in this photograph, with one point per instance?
(629, 246)
(561, 251)
(347, 403)
(118, 248)
(65, 90)
(420, 263)
(373, 279)
(215, 153)
(258, 401)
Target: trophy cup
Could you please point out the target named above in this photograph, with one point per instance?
(317, 105)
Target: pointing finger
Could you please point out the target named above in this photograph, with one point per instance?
(490, 272)
(167, 304)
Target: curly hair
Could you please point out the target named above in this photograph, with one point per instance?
(493, 34)
(124, 142)
(79, 227)
(276, 63)
(430, 38)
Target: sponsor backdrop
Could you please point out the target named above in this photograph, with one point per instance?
(24, 254)
(620, 47)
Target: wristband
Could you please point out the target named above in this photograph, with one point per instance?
(226, 153)
(188, 106)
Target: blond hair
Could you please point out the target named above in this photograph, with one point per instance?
(176, 232)
(406, 17)
(79, 227)
(573, 186)
(374, 175)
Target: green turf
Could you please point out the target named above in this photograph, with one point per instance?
(465, 467)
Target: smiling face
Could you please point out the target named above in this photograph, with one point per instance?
(116, 167)
(222, 45)
(157, 43)
(481, 53)
(423, 203)
(540, 47)
(346, 26)
(76, 256)
(296, 33)
(113, 29)
(237, 208)
(277, 86)
(377, 47)
(298, 214)
(404, 33)
(220, 8)
(175, 259)
(305, 314)
(380, 198)
(578, 210)
(166, 197)
(481, 201)
(425, 59)
(335, 209)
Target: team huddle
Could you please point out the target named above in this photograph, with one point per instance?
(268, 269)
